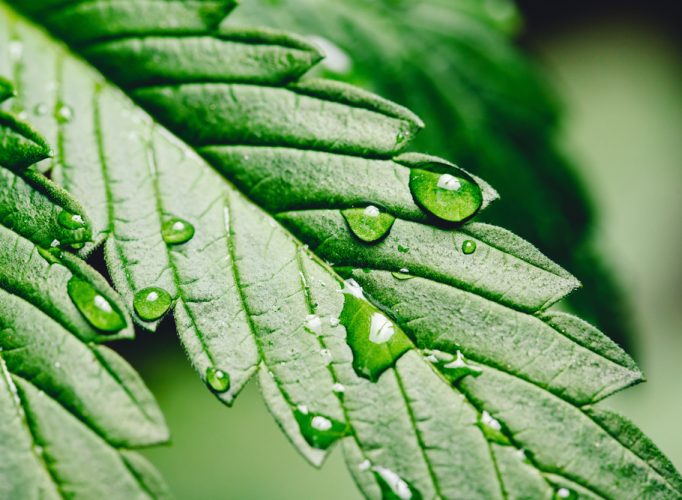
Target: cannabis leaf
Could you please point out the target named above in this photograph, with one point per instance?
(446, 376)
(486, 106)
(70, 409)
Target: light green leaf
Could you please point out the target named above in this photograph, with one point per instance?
(251, 287)
(67, 405)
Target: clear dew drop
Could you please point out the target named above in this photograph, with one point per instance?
(64, 113)
(365, 465)
(339, 388)
(333, 321)
(99, 312)
(492, 429)
(468, 247)
(368, 224)
(392, 485)
(313, 323)
(448, 197)
(70, 221)
(376, 341)
(176, 231)
(319, 431)
(152, 303)
(564, 493)
(454, 368)
(218, 380)
(40, 109)
(15, 50)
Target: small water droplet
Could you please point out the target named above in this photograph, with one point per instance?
(448, 197)
(365, 465)
(152, 303)
(303, 409)
(333, 321)
(468, 247)
(453, 367)
(70, 221)
(402, 276)
(51, 255)
(15, 49)
(55, 244)
(392, 485)
(376, 341)
(492, 429)
(40, 109)
(217, 380)
(565, 493)
(99, 312)
(176, 231)
(368, 224)
(22, 115)
(326, 356)
(313, 323)
(64, 113)
(339, 388)
(319, 431)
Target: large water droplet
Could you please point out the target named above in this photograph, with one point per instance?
(99, 312)
(376, 341)
(70, 221)
(468, 247)
(217, 380)
(369, 224)
(448, 197)
(152, 303)
(453, 367)
(393, 486)
(176, 231)
(492, 429)
(40, 109)
(319, 431)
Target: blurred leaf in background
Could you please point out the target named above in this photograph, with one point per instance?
(455, 64)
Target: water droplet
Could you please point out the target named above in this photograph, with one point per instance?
(313, 323)
(339, 388)
(468, 247)
(70, 221)
(217, 380)
(40, 109)
(392, 485)
(55, 244)
(365, 465)
(326, 356)
(453, 367)
(64, 113)
(15, 49)
(319, 431)
(152, 303)
(368, 224)
(402, 276)
(564, 493)
(492, 429)
(333, 321)
(176, 231)
(450, 198)
(376, 341)
(403, 249)
(51, 255)
(99, 312)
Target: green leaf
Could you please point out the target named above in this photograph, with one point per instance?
(485, 104)
(68, 406)
(258, 286)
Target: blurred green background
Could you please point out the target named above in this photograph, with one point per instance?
(620, 74)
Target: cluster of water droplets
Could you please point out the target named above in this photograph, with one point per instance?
(453, 367)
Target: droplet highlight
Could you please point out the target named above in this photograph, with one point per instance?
(69, 220)
(368, 224)
(99, 312)
(446, 196)
(492, 429)
(217, 380)
(152, 303)
(468, 247)
(176, 231)
(376, 341)
(454, 368)
(64, 113)
(564, 493)
(319, 431)
(393, 486)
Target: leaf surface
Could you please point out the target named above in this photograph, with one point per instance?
(259, 284)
